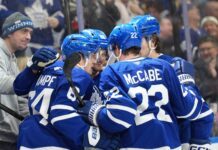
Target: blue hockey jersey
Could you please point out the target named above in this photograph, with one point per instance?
(144, 100)
(54, 121)
(200, 129)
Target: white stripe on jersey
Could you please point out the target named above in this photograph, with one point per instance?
(159, 148)
(192, 111)
(124, 108)
(43, 148)
(65, 107)
(118, 121)
(135, 59)
(43, 121)
(204, 114)
(63, 117)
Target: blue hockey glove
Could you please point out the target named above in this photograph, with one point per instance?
(184, 70)
(89, 112)
(42, 58)
(199, 144)
(97, 138)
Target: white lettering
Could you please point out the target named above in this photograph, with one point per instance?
(45, 79)
(151, 75)
(128, 78)
(135, 79)
(157, 73)
(143, 75)
(52, 80)
(139, 74)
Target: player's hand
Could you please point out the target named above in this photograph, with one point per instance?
(97, 138)
(199, 144)
(42, 58)
(89, 112)
(184, 70)
(53, 22)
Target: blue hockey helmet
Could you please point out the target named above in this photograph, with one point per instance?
(147, 25)
(135, 19)
(124, 36)
(98, 36)
(78, 43)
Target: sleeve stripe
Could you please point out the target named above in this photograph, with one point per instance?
(43, 121)
(43, 148)
(144, 118)
(118, 121)
(65, 107)
(204, 114)
(64, 117)
(124, 108)
(192, 111)
(163, 148)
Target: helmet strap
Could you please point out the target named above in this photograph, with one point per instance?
(86, 63)
(151, 46)
(118, 57)
(98, 56)
(111, 59)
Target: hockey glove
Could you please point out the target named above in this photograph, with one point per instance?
(89, 112)
(42, 58)
(184, 70)
(200, 144)
(97, 138)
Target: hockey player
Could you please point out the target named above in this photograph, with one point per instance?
(101, 39)
(54, 123)
(144, 97)
(190, 132)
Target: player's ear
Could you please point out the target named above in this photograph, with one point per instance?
(82, 61)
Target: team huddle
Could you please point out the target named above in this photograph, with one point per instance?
(135, 97)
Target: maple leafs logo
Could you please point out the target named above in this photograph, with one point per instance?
(37, 14)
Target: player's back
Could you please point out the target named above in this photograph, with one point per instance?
(205, 116)
(51, 83)
(150, 83)
(43, 91)
(146, 83)
(53, 108)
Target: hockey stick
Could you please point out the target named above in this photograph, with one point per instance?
(69, 64)
(11, 112)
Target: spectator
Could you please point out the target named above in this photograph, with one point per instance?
(47, 18)
(16, 34)
(155, 9)
(108, 16)
(166, 36)
(211, 8)
(134, 8)
(210, 26)
(90, 9)
(128, 9)
(195, 32)
(122, 6)
(102, 15)
(207, 68)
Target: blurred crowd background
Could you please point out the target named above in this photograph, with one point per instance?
(197, 19)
